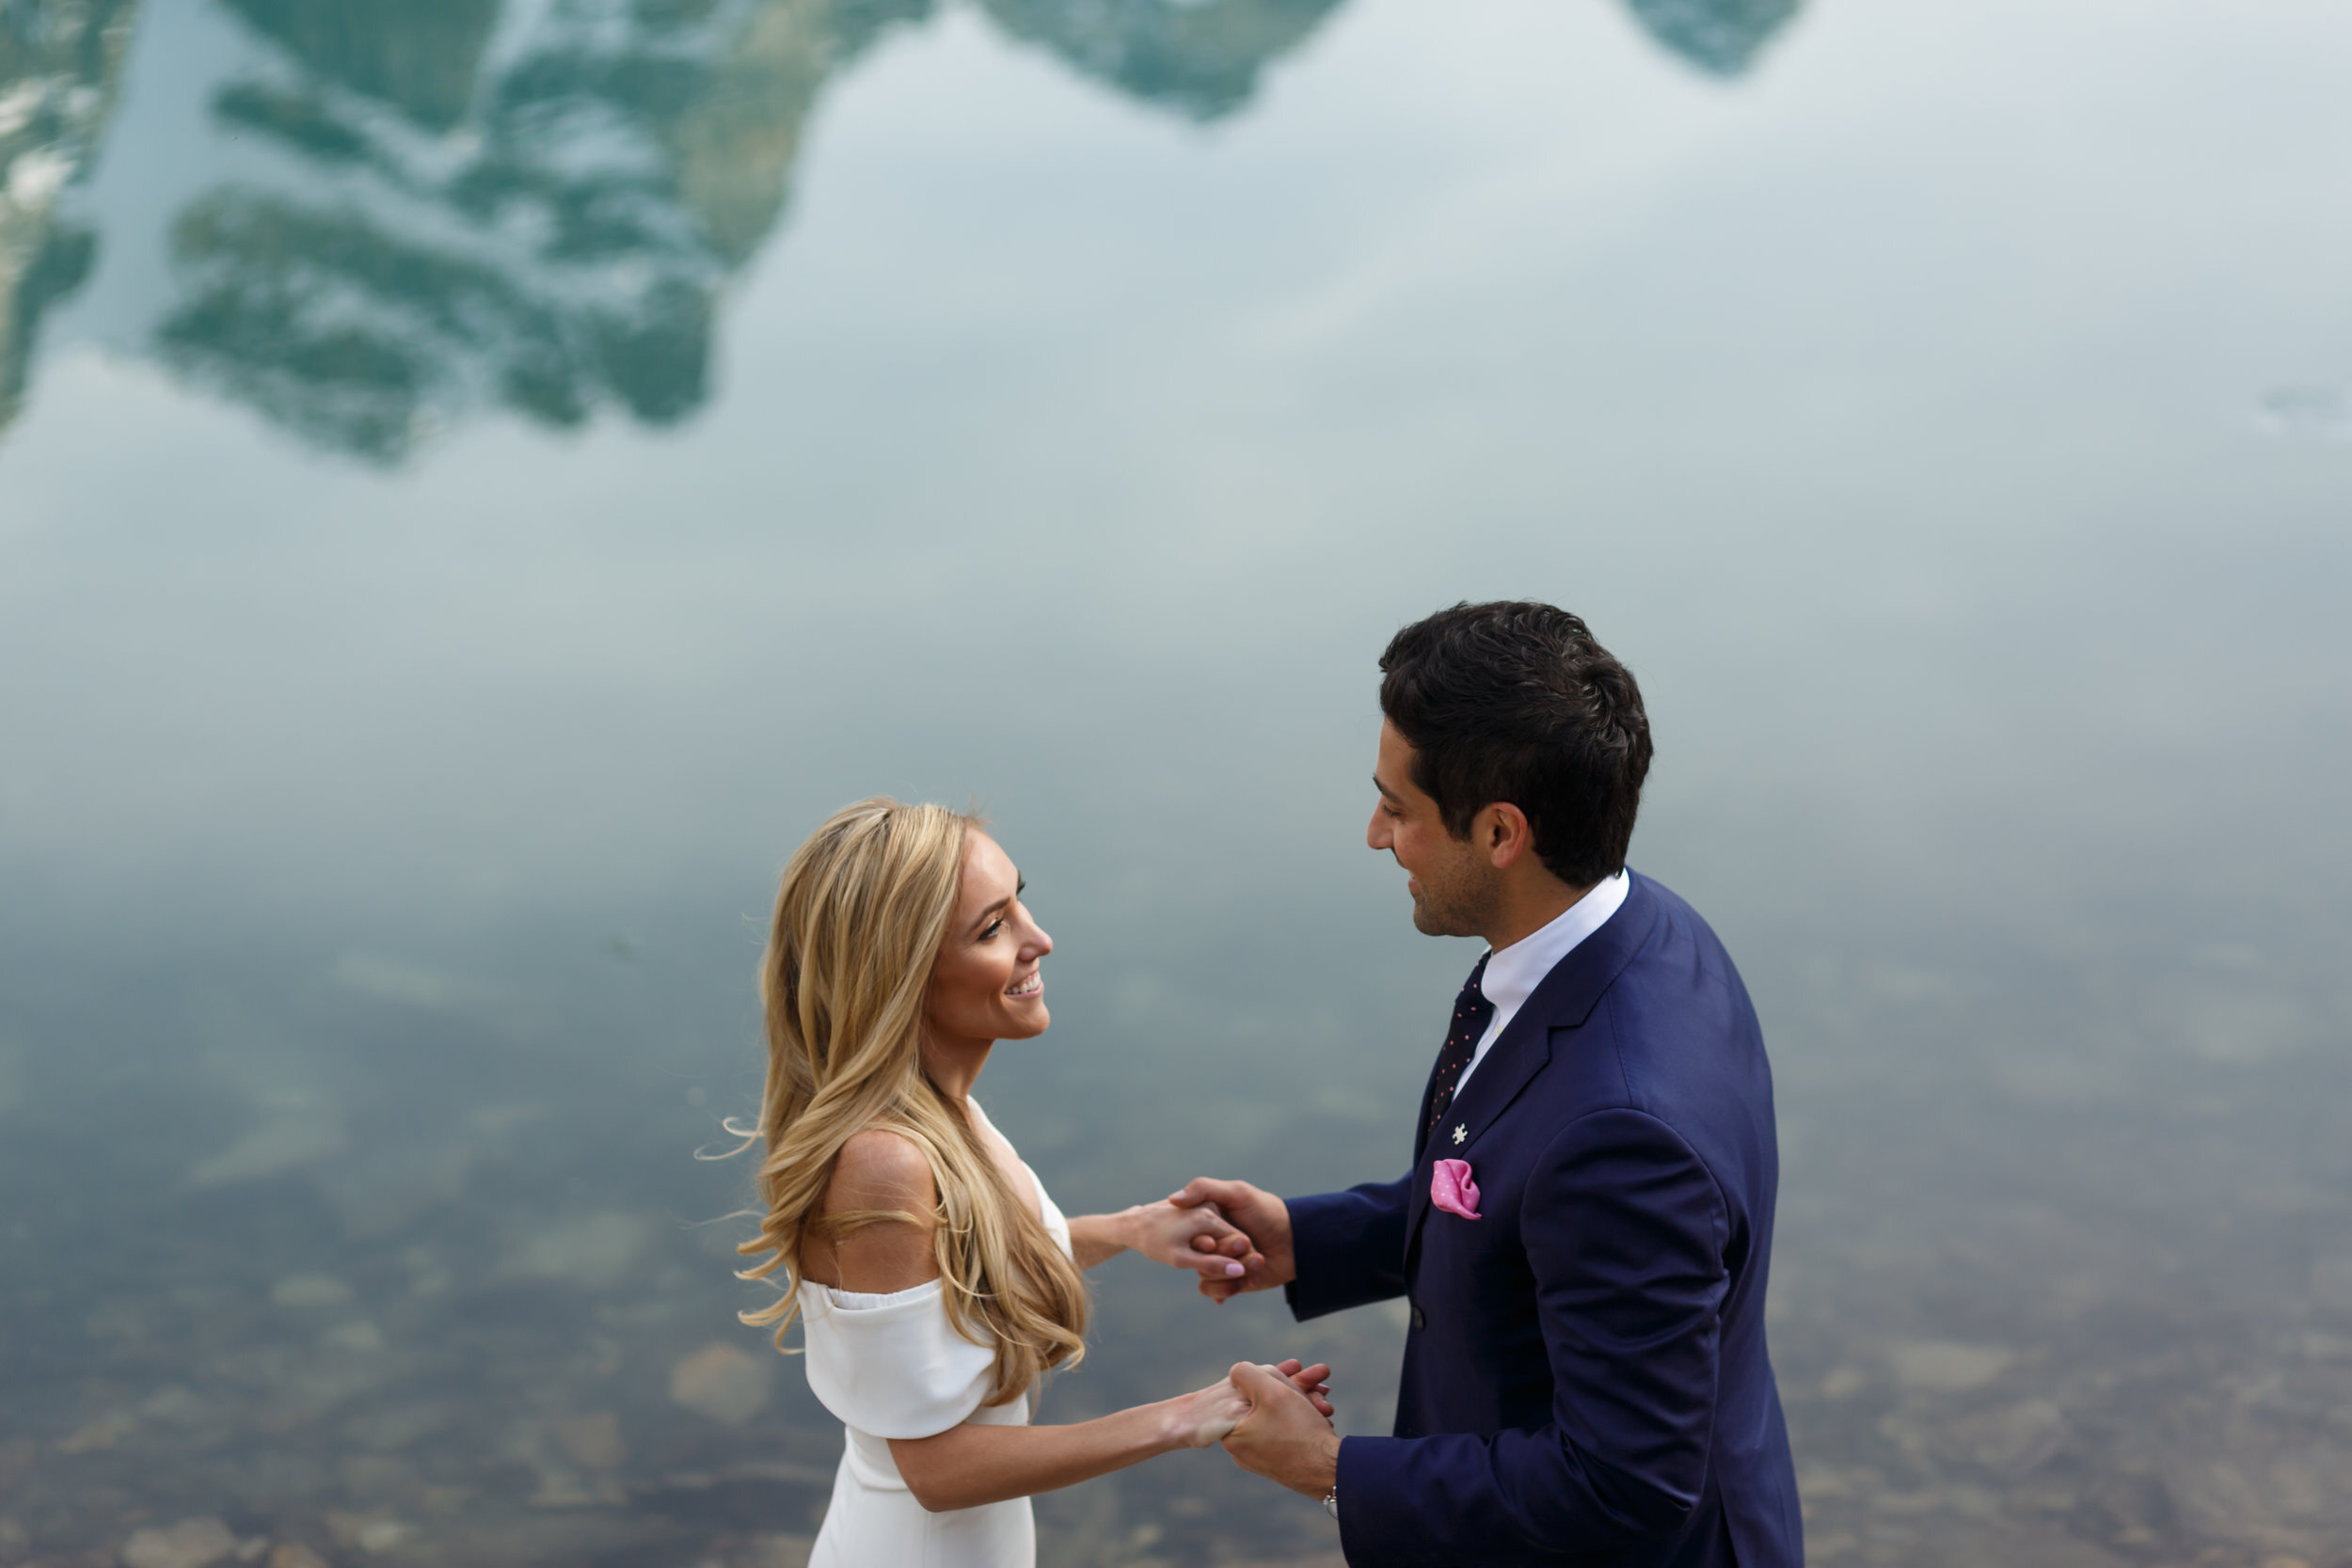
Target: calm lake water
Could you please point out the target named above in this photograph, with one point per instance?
(479, 479)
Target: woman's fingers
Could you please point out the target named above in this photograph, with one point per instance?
(1309, 1379)
(1234, 1248)
(1214, 1412)
(1228, 1407)
(1198, 1238)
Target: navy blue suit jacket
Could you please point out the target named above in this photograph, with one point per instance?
(1585, 1378)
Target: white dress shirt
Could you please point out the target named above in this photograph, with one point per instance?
(1512, 973)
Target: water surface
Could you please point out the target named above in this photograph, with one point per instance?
(479, 480)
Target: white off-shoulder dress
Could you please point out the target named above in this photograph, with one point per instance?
(892, 1366)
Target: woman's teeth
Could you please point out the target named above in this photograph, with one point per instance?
(1030, 987)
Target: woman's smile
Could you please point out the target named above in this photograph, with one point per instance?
(1033, 986)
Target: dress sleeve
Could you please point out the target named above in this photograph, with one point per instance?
(892, 1366)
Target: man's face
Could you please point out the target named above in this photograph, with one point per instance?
(1454, 888)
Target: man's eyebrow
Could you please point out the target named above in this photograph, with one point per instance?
(1385, 793)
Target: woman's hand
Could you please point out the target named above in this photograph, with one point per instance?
(1314, 1381)
(1264, 1218)
(1205, 1416)
(1198, 1238)
(969, 1466)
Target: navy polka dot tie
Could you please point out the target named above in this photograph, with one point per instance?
(1471, 1014)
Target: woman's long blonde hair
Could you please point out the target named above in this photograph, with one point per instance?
(860, 916)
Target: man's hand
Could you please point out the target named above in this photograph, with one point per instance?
(1284, 1437)
(1189, 1236)
(1261, 1216)
(1209, 1415)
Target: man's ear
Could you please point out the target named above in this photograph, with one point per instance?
(1504, 834)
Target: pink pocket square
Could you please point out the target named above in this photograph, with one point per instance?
(1452, 1189)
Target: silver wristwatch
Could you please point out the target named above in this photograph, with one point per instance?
(1331, 1500)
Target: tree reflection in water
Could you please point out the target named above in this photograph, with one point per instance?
(60, 63)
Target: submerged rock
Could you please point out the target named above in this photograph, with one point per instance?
(293, 1554)
(725, 1382)
(358, 1337)
(273, 1148)
(775, 1551)
(2014, 1439)
(594, 1252)
(592, 1441)
(1943, 1366)
(373, 1534)
(2331, 1283)
(174, 1404)
(189, 1544)
(310, 1289)
(101, 1434)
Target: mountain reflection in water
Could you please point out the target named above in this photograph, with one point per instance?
(534, 208)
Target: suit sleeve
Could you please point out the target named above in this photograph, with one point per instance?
(1625, 1230)
(1349, 1248)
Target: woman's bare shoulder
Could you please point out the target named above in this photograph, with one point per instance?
(879, 1168)
(877, 1173)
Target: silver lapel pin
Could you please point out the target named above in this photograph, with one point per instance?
(1461, 1135)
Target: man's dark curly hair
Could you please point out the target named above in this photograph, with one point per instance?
(1514, 701)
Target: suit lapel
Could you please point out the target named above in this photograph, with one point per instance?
(1563, 1000)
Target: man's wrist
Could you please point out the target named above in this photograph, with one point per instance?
(1322, 1470)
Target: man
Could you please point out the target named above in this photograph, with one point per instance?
(1587, 1228)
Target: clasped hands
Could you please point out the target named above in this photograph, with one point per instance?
(1274, 1421)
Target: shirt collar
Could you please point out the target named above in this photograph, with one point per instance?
(1515, 972)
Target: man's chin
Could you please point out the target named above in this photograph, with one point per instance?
(1433, 923)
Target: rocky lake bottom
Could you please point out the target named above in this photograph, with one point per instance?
(2144, 1377)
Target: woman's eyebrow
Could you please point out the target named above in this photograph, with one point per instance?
(1020, 886)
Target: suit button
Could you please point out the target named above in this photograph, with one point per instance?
(1421, 1319)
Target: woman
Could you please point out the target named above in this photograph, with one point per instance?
(935, 1279)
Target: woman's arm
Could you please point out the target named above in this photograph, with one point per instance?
(967, 1465)
(1195, 1238)
(879, 1173)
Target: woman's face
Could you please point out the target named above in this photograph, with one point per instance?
(986, 983)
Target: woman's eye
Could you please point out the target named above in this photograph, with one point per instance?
(990, 930)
